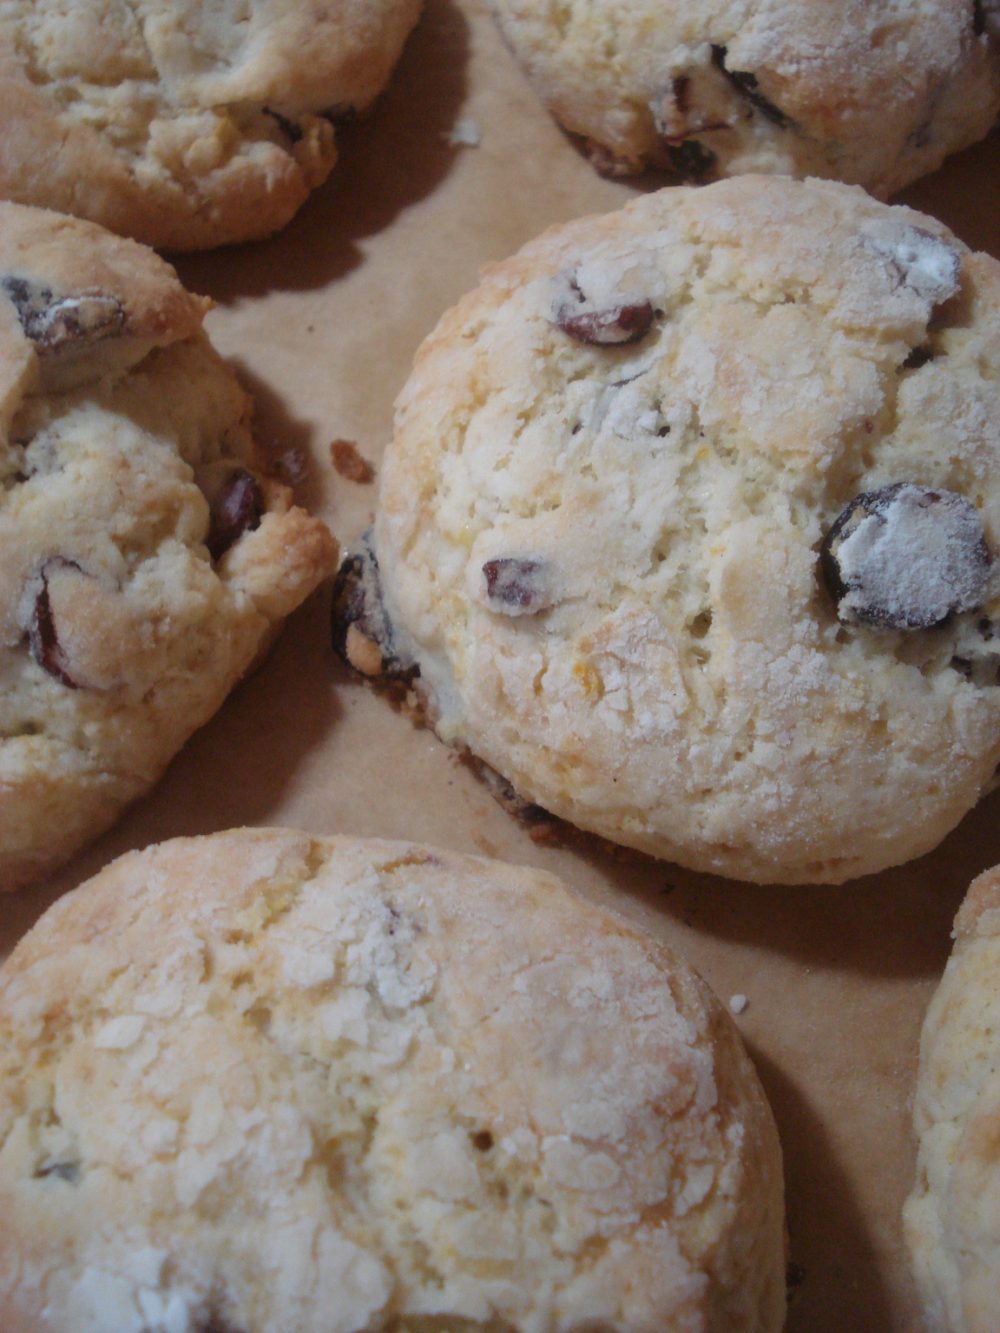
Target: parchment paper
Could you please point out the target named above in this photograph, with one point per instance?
(323, 321)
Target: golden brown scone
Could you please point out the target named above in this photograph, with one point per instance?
(690, 524)
(952, 1216)
(145, 558)
(264, 1081)
(185, 123)
(870, 93)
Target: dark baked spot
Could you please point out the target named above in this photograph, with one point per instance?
(906, 557)
(602, 326)
(68, 1171)
(917, 357)
(690, 161)
(482, 1140)
(340, 116)
(795, 1275)
(921, 136)
(514, 584)
(216, 1324)
(978, 18)
(681, 89)
(53, 322)
(237, 508)
(360, 630)
(43, 635)
(746, 85)
(289, 128)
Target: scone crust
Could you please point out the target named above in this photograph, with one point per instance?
(120, 632)
(263, 1080)
(952, 1220)
(678, 677)
(182, 124)
(871, 94)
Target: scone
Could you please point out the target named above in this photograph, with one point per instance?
(145, 559)
(690, 523)
(264, 1081)
(870, 93)
(952, 1217)
(185, 123)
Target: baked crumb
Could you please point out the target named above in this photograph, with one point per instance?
(350, 464)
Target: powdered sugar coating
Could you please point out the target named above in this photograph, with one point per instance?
(690, 690)
(339, 1086)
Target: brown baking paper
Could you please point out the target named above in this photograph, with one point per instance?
(323, 321)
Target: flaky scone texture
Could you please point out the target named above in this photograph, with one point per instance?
(265, 1081)
(608, 534)
(874, 94)
(183, 123)
(145, 559)
(952, 1217)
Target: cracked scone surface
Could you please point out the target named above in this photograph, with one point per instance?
(265, 1081)
(952, 1217)
(872, 94)
(622, 533)
(145, 558)
(182, 123)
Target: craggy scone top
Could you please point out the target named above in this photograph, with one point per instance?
(690, 525)
(181, 123)
(952, 1217)
(145, 559)
(866, 91)
(265, 1081)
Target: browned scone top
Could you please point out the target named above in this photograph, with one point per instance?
(265, 1081)
(145, 556)
(182, 123)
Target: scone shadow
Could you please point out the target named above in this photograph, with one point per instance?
(388, 161)
(894, 925)
(830, 1249)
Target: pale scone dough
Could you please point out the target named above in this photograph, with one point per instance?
(864, 91)
(623, 533)
(263, 1081)
(145, 558)
(952, 1217)
(185, 123)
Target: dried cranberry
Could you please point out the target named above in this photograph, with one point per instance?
(906, 557)
(600, 325)
(43, 635)
(237, 508)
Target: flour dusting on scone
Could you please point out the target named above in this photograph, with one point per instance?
(870, 93)
(690, 528)
(951, 1218)
(182, 123)
(262, 1081)
(145, 555)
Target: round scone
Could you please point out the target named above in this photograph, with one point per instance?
(952, 1217)
(689, 527)
(144, 557)
(870, 93)
(185, 123)
(264, 1081)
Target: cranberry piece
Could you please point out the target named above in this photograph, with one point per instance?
(237, 508)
